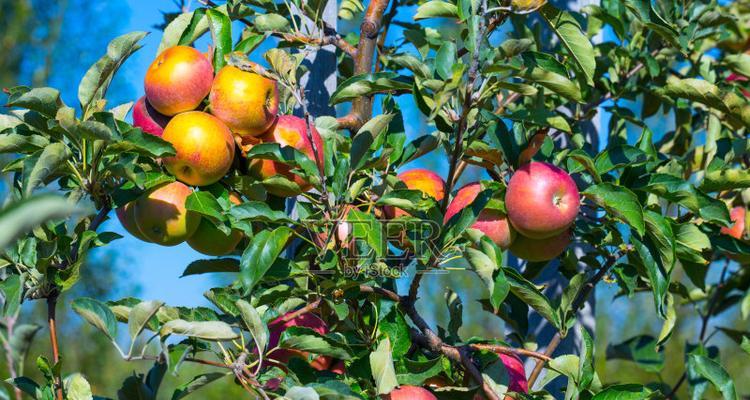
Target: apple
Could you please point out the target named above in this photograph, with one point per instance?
(542, 200)
(288, 130)
(420, 179)
(247, 102)
(161, 215)
(178, 80)
(737, 216)
(147, 118)
(209, 240)
(540, 249)
(308, 320)
(406, 392)
(126, 216)
(491, 222)
(204, 145)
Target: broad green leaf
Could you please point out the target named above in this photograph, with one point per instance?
(362, 142)
(45, 101)
(445, 59)
(140, 315)
(77, 388)
(212, 265)
(541, 117)
(13, 142)
(49, 162)
(735, 109)
(250, 43)
(271, 23)
(369, 84)
(11, 290)
(436, 9)
(531, 295)
(305, 339)
(20, 342)
(680, 191)
(739, 63)
(381, 365)
(137, 141)
(95, 82)
(554, 82)
(254, 324)
(623, 392)
(658, 275)
(98, 314)
(569, 31)
(620, 202)
(287, 155)
(206, 330)
(21, 216)
(204, 203)
(262, 252)
(643, 350)
(725, 179)
(715, 373)
(221, 35)
(618, 157)
(257, 211)
(196, 383)
(365, 226)
(586, 361)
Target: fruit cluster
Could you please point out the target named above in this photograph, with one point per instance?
(541, 200)
(205, 118)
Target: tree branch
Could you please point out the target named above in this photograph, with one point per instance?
(52, 321)
(363, 62)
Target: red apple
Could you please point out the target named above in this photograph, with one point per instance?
(540, 249)
(409, 393)
(178, 80)
(278, 326)
(126, 216)
(737, 216)
(420, 179)
(148, 119)
(491, 222)
(247, 102)
(542, 200)
(289, 130)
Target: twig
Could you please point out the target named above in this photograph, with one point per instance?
(510, 351)
(577, 303)
(380, 291)
(304, 310)
(52, 321)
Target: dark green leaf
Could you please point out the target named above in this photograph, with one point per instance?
(262, 252)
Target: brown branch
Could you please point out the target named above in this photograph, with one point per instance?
(52, 321)
(304, 310)
(363, 62)
(390, 295)
(510, 351)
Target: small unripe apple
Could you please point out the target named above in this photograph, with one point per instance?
(406, 392)
(247, 102)
(209, 240)
(737, 216)
(162, 217)
(148, 119)
(126, 216)
(491, 222)
(542, 200)
(289, 130)
(540, 249)
(204, 145)
(178, 80)
(308, 320)
(420, 179)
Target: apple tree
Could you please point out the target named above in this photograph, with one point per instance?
(611, 145)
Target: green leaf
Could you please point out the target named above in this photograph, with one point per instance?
(620, 202)
(569, 31)
(21, 340)
(77, 388)
(305, 339)
(271, 23)
(139, 142)
(250, 43)
(254, 324)
(555, 82)
(436, 9)
(365, 226)
(680, 191)
(50, 160)
(97, 314)
(12, 293)
(204, 203)
(369, 84)
(586, 361)
(542, 117)
(12, 141)
(658, 275)
(445, 59)
(96, 81)
(212, 265)
(287, 155)
(21, 216)
(531, 295)
(643, 350)
(394, 326)
(735, 109)
(381, 365)
(262, 252)
(362, 142)
(206, 330)
(619, 157)
(196, 383)
(140, 315)
(739, 63)
(725, 179)
(715, 373)
(623, 392)
(221, 34)
(45, 101)
(257, 211)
